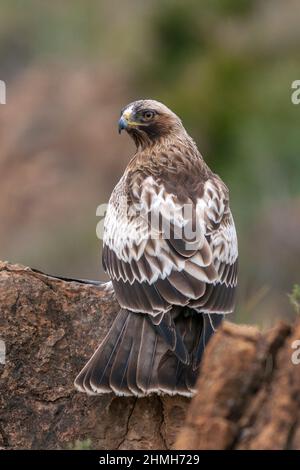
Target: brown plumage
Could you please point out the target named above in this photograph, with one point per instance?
(170, 250)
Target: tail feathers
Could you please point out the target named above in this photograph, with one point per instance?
(174, 375)
(210, 323)
(121, 361)
(95, 376)
(195, 329)
(168, 330)
(125, 361)
(137, 357)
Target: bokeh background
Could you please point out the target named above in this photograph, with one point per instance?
(225, 66)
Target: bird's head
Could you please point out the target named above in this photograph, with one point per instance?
(148, 121)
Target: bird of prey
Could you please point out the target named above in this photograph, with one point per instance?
(170, 250)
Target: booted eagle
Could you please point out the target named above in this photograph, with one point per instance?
(170, 250)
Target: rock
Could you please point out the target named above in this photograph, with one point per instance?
(50, 328)
(248, 386)
(248, 392)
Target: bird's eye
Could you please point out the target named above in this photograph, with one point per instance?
(148, 115)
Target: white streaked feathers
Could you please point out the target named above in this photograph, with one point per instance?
(127, 229)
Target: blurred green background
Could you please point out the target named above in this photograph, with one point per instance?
(225, 66)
